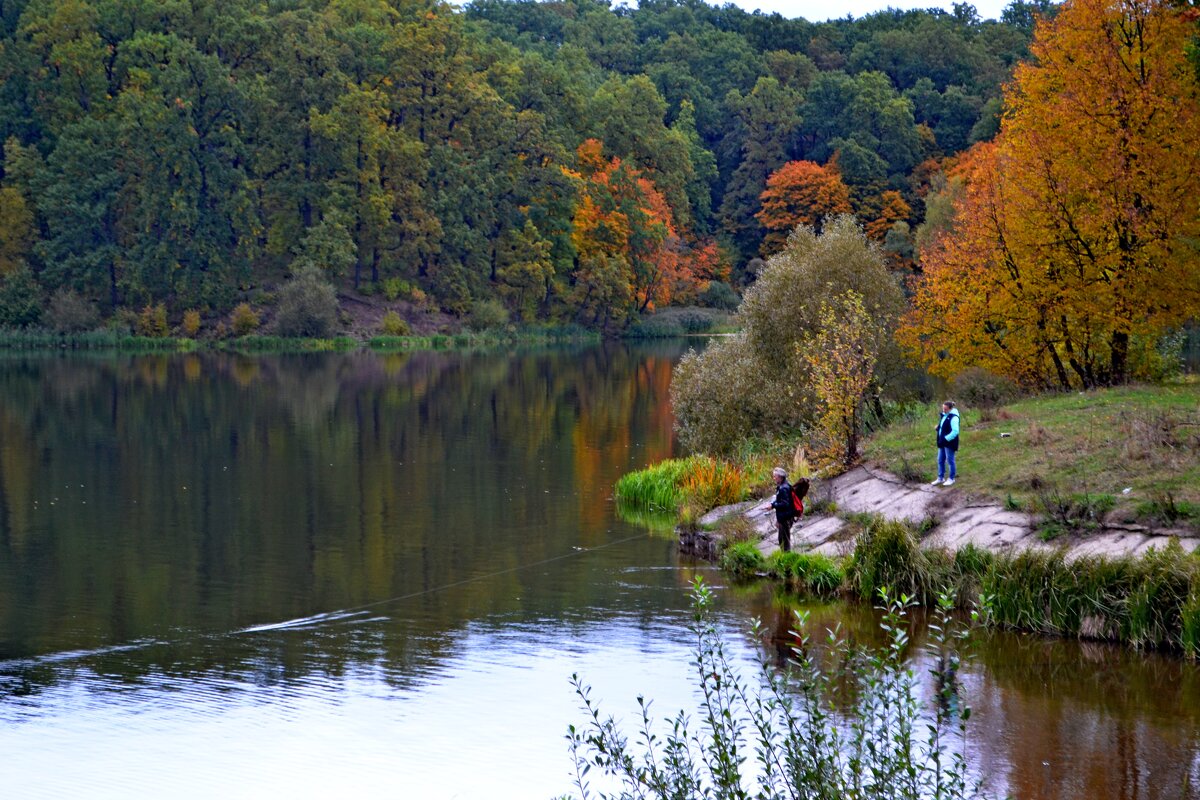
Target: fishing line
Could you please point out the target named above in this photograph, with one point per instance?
(333, 616)
(301, 623)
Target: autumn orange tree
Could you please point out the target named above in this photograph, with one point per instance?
(800, 193)
(630, 255)
(1072, 245)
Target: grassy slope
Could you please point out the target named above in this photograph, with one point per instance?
(1143, 438)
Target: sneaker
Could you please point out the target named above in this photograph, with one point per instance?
(938, 482)
(949, 482)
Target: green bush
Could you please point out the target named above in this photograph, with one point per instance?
(1074, 513)
(20, 299)
(1163, 508)
(743, 559)
(393, 324)
(976, 387)
(243, 320)
(720, 295)
(487, 315)
(307, 306)
(395, 288)
(70, 312)
(860, 728)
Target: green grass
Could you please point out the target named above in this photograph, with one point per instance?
(810, 573)
(743, 559)
(683, 484)
(93, 340)
(1142, 438)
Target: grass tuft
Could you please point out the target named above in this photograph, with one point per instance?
(743, 559)
(676, 483)
(807, 572)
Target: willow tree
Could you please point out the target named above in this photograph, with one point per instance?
(761, 383)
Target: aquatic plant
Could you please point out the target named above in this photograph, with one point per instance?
(781, 737)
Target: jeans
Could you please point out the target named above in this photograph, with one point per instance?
(945, 458)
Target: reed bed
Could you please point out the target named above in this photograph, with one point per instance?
(679, 484)
(22, 340)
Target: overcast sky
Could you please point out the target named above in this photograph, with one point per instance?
(820, 10)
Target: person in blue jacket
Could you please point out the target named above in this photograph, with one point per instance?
(947, 443)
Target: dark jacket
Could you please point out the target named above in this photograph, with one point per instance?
(947, 430)
(784, 510)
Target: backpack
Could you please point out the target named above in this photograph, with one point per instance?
(799, 490)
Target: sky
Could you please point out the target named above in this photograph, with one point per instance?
(821, 10)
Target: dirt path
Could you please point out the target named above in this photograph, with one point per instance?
(951, 518)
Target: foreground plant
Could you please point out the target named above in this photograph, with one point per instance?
(785, 737)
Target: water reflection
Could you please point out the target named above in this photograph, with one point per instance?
(334, 574)
(1052, 718)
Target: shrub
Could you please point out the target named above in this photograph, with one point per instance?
(20, 303)
(152, 322)
(393, 324)
(487, 315)
(860, 728)
(720, 295)
(191, 323)
(243, 320)
(1162, 507)
(737, 528)
(982, 389)
(395, 288)
(307, 306)
(70, 312)
(743, 559)
(755, 382)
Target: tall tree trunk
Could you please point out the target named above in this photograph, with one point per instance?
(1119, 347)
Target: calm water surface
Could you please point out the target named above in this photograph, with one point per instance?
(365, 575)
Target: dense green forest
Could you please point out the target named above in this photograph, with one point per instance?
(564, 162)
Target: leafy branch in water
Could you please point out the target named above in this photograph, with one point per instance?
(784, 737)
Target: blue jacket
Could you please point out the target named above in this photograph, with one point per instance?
(947, 430)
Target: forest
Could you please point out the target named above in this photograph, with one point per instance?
(566, 162)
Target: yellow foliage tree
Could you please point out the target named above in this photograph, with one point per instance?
(1076, 233)
(841, 357)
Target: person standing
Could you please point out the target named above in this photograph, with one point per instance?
(785, 508)
(947, 443)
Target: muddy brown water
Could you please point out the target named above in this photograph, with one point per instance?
(363, 575)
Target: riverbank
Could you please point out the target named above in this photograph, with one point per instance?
(1088, 502)
(105, 340)
(1129, 583)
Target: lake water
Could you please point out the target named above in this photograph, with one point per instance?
(361, 575)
